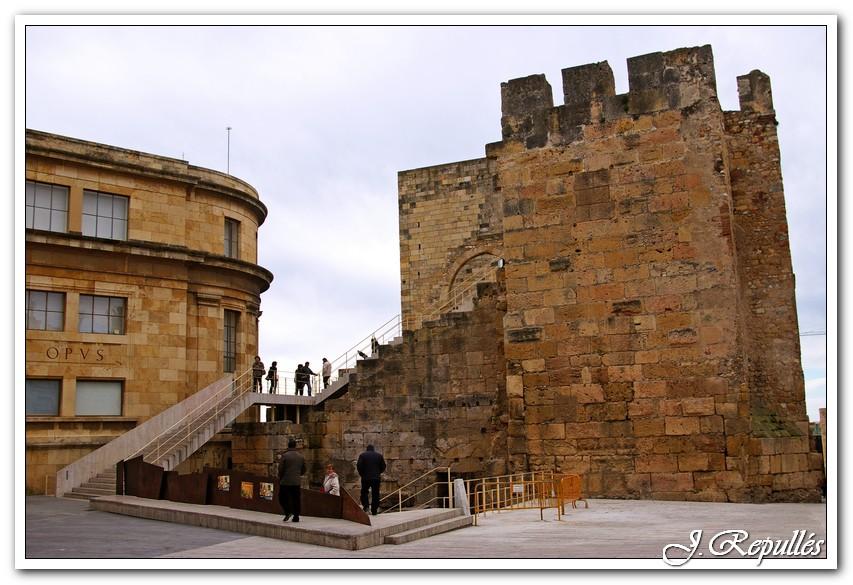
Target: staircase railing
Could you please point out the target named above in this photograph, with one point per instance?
(106, 456)
(457, 295)
(383, 334)
(396, 500)
(196, 419)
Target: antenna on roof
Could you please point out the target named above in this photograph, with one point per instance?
(228, 155)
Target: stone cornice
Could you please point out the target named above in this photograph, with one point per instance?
(123, 160)
(152, 249)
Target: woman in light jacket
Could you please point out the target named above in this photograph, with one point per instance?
(331, 485)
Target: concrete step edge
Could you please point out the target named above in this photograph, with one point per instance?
(420, 522)
(429, 530)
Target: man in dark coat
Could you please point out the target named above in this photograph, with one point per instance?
(306, 376)
(370, 466)
(290, 472)
(299, 379)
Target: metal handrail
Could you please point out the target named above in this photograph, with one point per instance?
(194, 425)
(453, 300)
(399, 491)
(391, 328)
(154, 446)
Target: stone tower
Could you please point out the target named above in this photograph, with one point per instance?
(650, 337)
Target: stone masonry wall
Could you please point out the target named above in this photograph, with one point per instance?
(622, 309)
(435, 399)
(650, 334)
(448, 215)
(780, 459)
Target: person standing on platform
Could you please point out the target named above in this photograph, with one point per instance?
(298, 379)
(258, 371)
(327, 372)
(272, 378)
(290, 472)
(374, 347)
(307, 373)
(370, 466)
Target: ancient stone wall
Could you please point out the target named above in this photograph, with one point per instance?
(780, 457)
(450, 216)
(650, 334)
(435, 399)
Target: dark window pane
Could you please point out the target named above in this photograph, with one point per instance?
(89, 224)
(117, 325)
(59, 198)
(42, 397)
(57, 221)
(101, 305)
(119, 229)
(35, 319)
(105, 205)
(119, 207)
(90, 203)
(30, 214)
(42, 195)
(37, 300)
(116, 306)
(105, 227)
(55, 301)
(41, 221)
(31, 192)
(55, 321)
(100, 324)
(86, 303)
(85, 324)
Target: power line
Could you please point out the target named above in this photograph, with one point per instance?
(812, 333)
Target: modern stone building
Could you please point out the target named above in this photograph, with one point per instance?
(641, 328)
(142, 286)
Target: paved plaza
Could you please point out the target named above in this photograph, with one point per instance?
(68, 529)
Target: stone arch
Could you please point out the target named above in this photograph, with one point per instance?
(470, 263)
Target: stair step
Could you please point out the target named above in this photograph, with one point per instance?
(76, 496)
(89, 493)
(430, 530)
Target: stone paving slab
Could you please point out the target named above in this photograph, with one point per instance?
(617, 529)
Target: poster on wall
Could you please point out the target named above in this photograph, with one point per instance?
(266, 490)
(247, 490)
(223, 483)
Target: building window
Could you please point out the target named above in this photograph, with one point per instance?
(98, 398)
(47, 207)
(45, 310)
(105, 215)
(42, 397)
(230, 341)
(101, 315)
(232, 238)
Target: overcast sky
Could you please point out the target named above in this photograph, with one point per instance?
(324, 118)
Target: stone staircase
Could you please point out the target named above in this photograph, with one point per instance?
(452, 520)
(103, 484)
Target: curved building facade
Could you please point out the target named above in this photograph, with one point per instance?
(142, 286)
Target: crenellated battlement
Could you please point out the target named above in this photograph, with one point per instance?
(671, 80)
